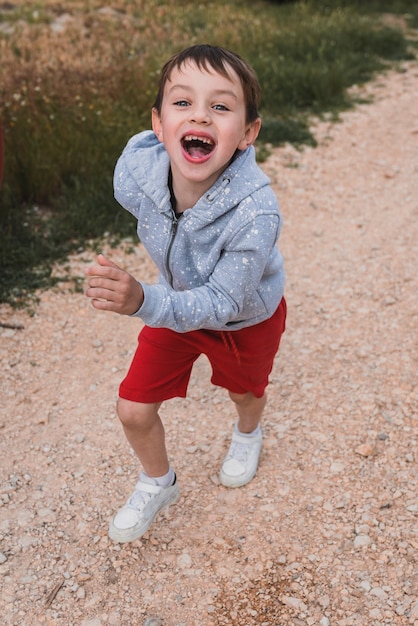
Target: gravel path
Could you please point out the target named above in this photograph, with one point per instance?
(327, 532)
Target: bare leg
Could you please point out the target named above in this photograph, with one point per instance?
(249, 409)
(241, 462)
(145, 433)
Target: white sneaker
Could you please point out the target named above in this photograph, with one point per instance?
(134, 519)
(241, 462)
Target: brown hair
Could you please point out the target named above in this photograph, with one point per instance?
(220, 60)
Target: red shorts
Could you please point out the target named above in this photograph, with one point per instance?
(241, 360)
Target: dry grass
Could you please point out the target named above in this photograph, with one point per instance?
(76, 42)
(86, 38)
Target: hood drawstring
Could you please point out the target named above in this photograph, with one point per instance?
(229, 344)
(210, 197)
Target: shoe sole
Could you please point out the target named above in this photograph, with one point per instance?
(130, 534)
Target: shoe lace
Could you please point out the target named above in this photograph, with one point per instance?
(139, 499)
(238, 451)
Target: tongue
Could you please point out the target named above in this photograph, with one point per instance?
(197, 152)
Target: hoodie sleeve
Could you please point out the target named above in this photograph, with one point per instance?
(231, 295)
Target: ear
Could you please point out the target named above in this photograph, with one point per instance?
(157, 126)
(251, 134)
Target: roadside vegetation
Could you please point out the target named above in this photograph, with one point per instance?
(77, 80)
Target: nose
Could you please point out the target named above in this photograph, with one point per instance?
(199, 114)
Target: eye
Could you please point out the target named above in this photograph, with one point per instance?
(220, 107)
(181, 103)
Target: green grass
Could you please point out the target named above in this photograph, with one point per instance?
(68, 104)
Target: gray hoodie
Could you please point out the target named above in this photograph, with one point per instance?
(219, 265)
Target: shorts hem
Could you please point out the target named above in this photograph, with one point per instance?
(149, 398)
(257, 391)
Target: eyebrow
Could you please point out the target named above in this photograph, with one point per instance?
(217, 92)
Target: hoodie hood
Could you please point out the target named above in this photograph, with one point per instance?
(148, 164)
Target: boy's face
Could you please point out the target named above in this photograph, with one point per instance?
(202, 124)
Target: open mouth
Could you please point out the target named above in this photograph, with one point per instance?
(197, 147)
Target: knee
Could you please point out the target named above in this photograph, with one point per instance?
(136, 414)
(241, 399)
(247, 399)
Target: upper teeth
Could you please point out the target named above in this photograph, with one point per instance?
(195, 138)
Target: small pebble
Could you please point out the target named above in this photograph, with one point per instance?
(361, 541)
(153, 621)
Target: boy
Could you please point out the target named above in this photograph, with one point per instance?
(210, 221)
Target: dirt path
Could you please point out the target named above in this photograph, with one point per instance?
(327, 532)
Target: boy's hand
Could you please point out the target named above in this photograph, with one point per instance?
(112, 289)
